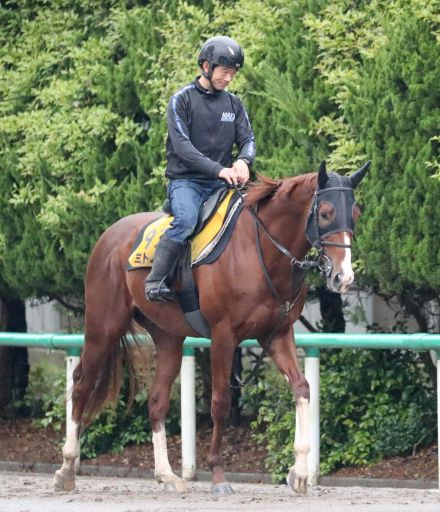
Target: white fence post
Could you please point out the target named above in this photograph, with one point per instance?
(188, 413)
(311, 372)
(72, 360)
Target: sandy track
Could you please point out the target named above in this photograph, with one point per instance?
(21, 492)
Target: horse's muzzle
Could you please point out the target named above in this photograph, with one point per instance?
(339, 282)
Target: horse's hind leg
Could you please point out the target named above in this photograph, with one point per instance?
(283, 352)
(222, 354)
(97, 377)
(168, 363)
(64, 479)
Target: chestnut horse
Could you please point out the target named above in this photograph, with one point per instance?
(246, 293)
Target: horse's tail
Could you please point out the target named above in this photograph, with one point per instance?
(130, 354)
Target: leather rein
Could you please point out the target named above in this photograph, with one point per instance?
(322, 263)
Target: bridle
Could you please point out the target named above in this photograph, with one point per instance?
(315, 236)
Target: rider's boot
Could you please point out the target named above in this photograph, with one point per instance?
(165, 260)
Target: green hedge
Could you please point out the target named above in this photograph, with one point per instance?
(374, 404)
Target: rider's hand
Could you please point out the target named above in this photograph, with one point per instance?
(229, 174)
(242, 171)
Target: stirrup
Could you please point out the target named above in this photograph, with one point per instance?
(158, 291)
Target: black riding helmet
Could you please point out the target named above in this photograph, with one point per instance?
(221, 51)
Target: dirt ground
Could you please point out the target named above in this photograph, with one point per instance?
(20, 441)
(33, 493)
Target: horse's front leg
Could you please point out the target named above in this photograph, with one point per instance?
(282, 350)
(169, 359)
(222, 354)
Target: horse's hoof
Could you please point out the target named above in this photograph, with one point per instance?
(297, 483)
(176, 485)
(62, 484)
(222, 489)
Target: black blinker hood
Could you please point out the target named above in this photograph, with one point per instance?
(338, 191)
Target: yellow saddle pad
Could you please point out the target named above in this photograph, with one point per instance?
(142, 254)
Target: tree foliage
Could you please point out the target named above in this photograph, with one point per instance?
(82, 130)
(396, 114)
(380, 61)
(85, 86)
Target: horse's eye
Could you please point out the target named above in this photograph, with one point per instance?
(327, 214)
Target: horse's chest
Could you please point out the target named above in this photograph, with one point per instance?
(257, 320)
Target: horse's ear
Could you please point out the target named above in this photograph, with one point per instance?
(357, 176)
(322, 175)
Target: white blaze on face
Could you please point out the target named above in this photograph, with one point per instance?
(346, 274)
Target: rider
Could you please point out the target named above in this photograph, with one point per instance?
(204, 122)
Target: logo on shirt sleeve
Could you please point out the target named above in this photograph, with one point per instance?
(228, 117)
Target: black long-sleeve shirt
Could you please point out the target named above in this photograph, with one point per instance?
(203, 127)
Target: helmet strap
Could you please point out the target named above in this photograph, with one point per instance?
(208, 75)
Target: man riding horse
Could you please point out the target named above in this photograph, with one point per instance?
(279, 223)
(204, 122)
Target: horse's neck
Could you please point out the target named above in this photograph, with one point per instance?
(286, 223)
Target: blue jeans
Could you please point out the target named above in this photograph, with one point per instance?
(187, 197)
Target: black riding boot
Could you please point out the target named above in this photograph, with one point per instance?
(165, 259)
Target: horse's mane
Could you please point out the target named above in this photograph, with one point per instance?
(282, 188)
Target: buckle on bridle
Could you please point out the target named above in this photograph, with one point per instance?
(325, 265)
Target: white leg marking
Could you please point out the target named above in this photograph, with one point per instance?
(71, 446)
(297, 478)
(162, 468)
(64, 479)
(161, 464)
(302, 442)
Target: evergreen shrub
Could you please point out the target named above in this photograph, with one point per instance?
(374, 404)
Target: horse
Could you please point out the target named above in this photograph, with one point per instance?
(246, 293)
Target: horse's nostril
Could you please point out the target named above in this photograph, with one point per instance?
(337, 282)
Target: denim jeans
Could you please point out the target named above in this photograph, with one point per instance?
(187, 197)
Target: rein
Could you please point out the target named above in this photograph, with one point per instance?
(322, 263)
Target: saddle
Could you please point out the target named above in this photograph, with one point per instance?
(216, 222)
(214, 218)
(208, 208)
